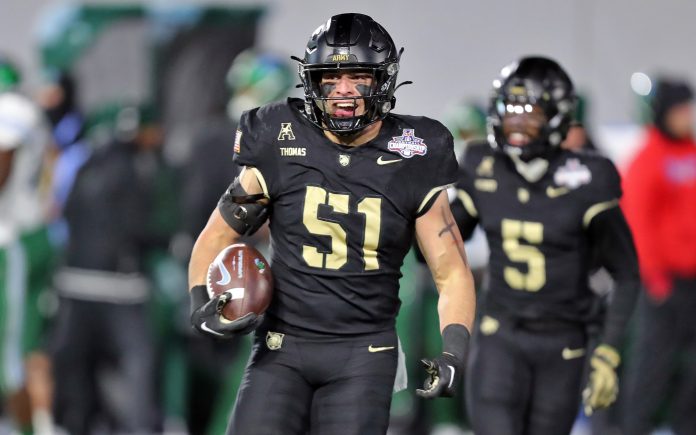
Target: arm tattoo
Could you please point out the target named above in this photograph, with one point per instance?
(448, 225)
(450, 228)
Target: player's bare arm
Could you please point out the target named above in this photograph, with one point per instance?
(442, 246)
(443, 249)
(241, 211)
(217, 234)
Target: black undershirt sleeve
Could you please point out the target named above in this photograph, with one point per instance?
(465, 221)
(613, 244)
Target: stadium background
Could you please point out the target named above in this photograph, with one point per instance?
(461, 45)
(453, 51)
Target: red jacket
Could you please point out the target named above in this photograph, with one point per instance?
(660, 206)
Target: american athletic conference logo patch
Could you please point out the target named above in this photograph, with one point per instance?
(408, 145)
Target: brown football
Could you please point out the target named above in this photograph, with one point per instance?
(241, 271)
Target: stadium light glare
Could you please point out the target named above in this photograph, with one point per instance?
(641, 83)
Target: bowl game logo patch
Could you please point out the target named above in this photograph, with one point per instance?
(408, 145)
(573, 174)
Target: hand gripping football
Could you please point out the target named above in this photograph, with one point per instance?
(240, 271)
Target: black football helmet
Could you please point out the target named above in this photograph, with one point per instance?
(349, 42)
(532, 81)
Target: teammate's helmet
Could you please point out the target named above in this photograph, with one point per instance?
(532, 81)
(9, 75)
(350, 42)
(255, 79)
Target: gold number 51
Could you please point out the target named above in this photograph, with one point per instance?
(339, 202)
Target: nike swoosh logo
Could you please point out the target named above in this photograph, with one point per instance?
(381, 161)
(204, 327)
(569, 353)
(373, 349)
(555, 192)
(226, 278)
(451, 376)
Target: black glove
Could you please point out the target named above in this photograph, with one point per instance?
(206, 315)
(445, 371)
(444, 376)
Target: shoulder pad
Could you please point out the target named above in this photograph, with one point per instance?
(475, 152)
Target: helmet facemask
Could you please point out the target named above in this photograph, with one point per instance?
(540, 108)
(371, 104)
(523, 124)
(349, 43)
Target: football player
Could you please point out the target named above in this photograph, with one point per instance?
(550, 215)
(25, 254)
(346, 184)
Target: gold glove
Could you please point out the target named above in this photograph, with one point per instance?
(603, 384)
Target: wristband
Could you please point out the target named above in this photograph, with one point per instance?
(199, 297)
(455, 341)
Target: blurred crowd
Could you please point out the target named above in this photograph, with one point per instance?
(97, 221)
(96, 228)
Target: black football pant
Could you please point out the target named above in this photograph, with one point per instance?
(665, 343)
(525, 379)
(317, 386)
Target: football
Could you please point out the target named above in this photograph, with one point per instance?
(241, 271)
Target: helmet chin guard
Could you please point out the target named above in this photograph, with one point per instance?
(349, 42)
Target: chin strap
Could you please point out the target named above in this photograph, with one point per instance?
(532, 170)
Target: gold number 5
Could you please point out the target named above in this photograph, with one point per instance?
(339, 202)
(533, 233)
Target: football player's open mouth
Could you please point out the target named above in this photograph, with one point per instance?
(518, 139)
(345, 109)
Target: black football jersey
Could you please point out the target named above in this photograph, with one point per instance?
(342, 218)
(540, 250)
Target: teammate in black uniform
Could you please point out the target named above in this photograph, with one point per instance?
(346, 184)
(550, 215)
